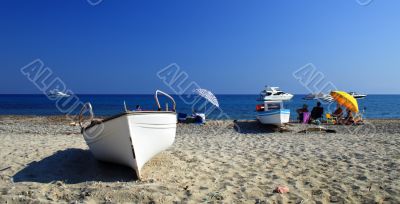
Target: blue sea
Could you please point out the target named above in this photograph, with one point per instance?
(231, 106)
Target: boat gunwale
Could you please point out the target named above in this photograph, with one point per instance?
(94, 123)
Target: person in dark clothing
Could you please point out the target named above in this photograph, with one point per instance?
(338, 112)
(317, 112)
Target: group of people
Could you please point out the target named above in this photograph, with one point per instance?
(348, 119)
(316, 115)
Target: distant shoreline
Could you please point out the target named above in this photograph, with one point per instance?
(232, 106)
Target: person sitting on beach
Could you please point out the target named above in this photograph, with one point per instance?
(358, 120)
(338, 112)
(301, 112)
(348, 120)
(138, 108)
(317, 111)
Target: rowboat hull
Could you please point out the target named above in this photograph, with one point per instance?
(274, 117)
(132, 138)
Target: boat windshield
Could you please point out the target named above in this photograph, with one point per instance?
(265, 93)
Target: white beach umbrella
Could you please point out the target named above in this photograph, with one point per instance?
(208, 96)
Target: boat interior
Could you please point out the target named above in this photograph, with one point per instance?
(92, 121)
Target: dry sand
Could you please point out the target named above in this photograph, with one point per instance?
(43, 160)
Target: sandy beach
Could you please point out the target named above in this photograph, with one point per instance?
(44, 160)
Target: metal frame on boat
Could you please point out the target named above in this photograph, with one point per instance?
(130, 138)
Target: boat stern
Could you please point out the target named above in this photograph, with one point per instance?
(274, 117)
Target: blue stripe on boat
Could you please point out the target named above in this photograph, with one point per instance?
(274, 112)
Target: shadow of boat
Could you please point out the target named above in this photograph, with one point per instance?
(254, 127)
(73, 166)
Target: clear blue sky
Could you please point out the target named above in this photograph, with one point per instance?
(225, 46)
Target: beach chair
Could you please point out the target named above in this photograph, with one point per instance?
(358, 119)
(330, 119)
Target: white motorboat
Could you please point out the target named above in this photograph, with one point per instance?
(57, 94)
(326, 97)
(273, 113)
(320, 96)
(310, 97)
(357, 95)
(274, 94)
(130, 138)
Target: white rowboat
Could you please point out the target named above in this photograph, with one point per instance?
(131, 138)
(272, 113)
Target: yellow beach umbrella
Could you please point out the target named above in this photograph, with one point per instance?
(345, 100)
